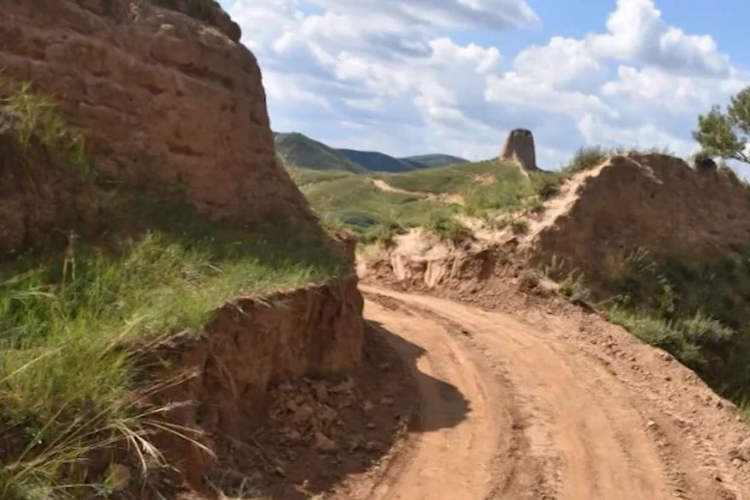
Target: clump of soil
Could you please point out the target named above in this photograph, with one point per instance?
(321, 430)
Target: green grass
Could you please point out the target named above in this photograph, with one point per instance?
(40, 128)
(488, 189)
(454, 179)
(65, 381)
(698, 310)
(354, 202)
(72, 315)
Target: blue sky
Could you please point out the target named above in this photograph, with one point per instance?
(455, 76)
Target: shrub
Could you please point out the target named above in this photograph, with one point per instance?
(587, 158)
(68, 381)
(701, 309)
(38, 120)
(448, 228)
(519, 226)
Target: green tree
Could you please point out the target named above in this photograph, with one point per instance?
(726, 134)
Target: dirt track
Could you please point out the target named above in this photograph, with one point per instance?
(513, 411)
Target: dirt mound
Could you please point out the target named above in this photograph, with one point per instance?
(161, 98)
(422, 260)
(652, 202)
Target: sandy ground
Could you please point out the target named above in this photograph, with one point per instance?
(547, 406)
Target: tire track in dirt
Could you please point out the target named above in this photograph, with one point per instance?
(546, 421)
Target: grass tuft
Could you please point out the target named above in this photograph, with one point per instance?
(37, 120)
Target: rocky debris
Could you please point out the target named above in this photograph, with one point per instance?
(319, 430)
(161, 98)
(743, 451)
(248, 346)
(519, 147)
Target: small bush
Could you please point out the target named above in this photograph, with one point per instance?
(448, 228)
(38, 120)
(519, 226)
(587, 158)
(574, 289)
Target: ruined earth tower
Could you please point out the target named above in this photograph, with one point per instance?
(519, 147)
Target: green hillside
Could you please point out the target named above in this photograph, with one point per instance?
(377, 162)
(300, 151)
(430, 197)
(436, 160)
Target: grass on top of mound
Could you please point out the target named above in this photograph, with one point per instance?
(67, 385)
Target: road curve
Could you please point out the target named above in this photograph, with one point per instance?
(511, 412)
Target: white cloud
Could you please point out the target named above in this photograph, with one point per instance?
(537, 94)
(390, 75)
(637, 33)
(563, 62)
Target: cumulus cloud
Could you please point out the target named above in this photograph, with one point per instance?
(637, 33)
(391, 75)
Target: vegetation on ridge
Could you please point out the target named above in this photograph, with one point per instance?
(430, 198)
(725, 134)
(70, 317)
(698, 310)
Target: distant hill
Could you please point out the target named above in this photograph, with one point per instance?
(300, 151)
(377, 162)
(438, 160)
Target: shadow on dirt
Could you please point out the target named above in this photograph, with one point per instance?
(320, 431)
(453, 408)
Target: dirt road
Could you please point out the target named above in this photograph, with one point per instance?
(511, 411)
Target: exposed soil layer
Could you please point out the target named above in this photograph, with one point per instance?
(321, 431)
(225, 371)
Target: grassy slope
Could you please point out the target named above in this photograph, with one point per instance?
(434, 160)
(377, 162)
(353, 201)
(697, 310)
(300, 151)
(68, 383)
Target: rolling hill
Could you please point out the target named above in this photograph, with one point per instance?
(377, 162)
(436, 160)
(298, 150)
